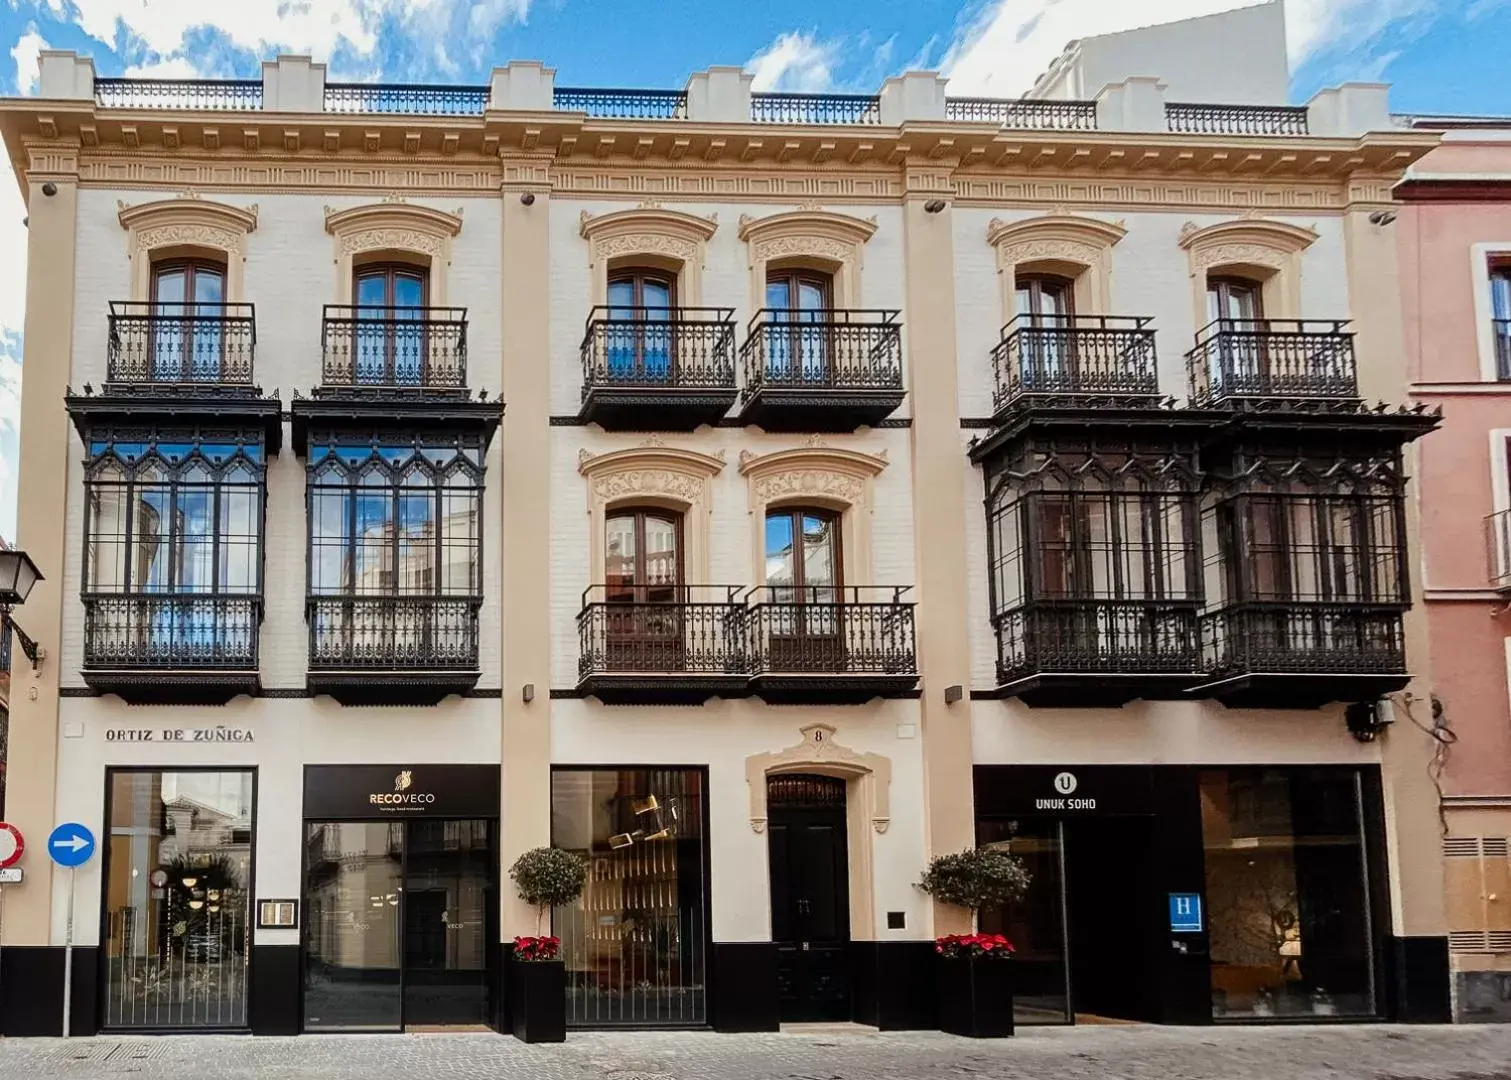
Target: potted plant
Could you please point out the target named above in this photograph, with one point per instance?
(974, 971)
(546, 877)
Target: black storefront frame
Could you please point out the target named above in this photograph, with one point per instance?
(493, 972)
(101, 967)
(1387, 954)
(706, 884)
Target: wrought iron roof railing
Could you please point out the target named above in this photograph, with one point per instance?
(1026, 114)
(406, 100)
(1203, 119)
(785, 108)
(622, 104)
(226, 95)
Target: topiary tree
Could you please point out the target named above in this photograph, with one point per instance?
(977, 878)
(548, 877)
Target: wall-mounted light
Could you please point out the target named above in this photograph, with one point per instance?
(1382, 217)
(528, 693)
(953, 693)
(934, 206)
(17, 576)
(49, 189)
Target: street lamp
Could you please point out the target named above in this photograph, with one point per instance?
(17, 576)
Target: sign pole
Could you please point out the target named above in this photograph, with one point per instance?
(68, 956)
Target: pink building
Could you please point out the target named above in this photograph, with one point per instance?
(1454, 232)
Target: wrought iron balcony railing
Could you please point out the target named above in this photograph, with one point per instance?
(226, 95)
(622, 104)
(1075, 356)
(661, 630)
(1246, 359)
(658, 348)
(405, 99)
(825, 630)
(833, 349)
(1200, 119)
(785, 108)
(1498, 548)
(167, 343)
(1309, 638)
(181, 631)
(1025, 114)
(392, 633)
(422, 348)
(1501, 330)
(1097, 637)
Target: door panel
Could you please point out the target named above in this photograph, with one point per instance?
(810, 907)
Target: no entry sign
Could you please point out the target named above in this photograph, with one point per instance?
(11, 845)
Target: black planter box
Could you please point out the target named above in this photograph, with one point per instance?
(975, 996)
(538, 1000)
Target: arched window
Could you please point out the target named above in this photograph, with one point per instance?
(804, 298)
(639, 345)
(187, 326)
(643, 556)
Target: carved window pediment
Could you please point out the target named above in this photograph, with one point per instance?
(653, 474)
(1254, 246)
(393, 226)
(823, 236)
(657, 235)
(186, 222)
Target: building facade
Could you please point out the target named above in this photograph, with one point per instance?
(1457, 304)
(755, 493)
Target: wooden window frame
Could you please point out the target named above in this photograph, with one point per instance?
(638, 276)
(191, 266)
(640, 514)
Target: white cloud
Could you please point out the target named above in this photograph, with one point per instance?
(795, 61)
(25, 56)
(1011, 42)
(165, 67)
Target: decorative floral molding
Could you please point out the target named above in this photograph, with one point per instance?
(650, 230)
(835, 240)
(1059, 237)
(818, 752)
(188, 220)
(1274, 247)
(393, 225)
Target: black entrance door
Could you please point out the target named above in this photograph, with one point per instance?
(810, 896)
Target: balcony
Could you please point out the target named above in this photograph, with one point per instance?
(1075, 361)
(387, 367)
(218, 95)
(830, 646)
(826, 370)
(672, 645)
(392, 650)
(171, 649)
(1281, 654)
(657, 369)
(1095, 652)
(1265, 363)
(1201, 119)
(1498, 549)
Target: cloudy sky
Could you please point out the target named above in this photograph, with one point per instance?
(1442, 56)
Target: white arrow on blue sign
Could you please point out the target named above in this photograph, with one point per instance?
(70, 844)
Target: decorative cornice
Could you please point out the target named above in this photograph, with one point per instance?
(392, 215)
(841, 228)
(652, 470)
(648, 217)
(187, 219)
(1057, 226)
(811, 472)
(1278, 236)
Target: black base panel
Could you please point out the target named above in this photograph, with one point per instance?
(1420, 980)
(31, 990)
(744, 982)
(274, 1002)
(892, 985)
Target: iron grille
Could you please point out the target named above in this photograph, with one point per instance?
(388, 633)
(1024, 114)
(622, 104)
(1304, 638)
(1200, 119)
(825, 630)
(675, 348)
(171, 632)
(1077, 636)
(785, 108)
(409, 100)
(833, 349)
(224, 95)
(1074, 356)
(1245, 359)
(396, 347)
(209, 344)
(804, 789)
(682, 629)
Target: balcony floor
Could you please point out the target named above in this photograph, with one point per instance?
(174, 686)
(818, 409)
(791, 688)
(655, 688)
(1297, 690)
(619, 408)
(1095, 690)
(355, 686)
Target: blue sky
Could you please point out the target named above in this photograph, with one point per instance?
(1442, 56)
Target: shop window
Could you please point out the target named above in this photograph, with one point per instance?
(1287, 898)
(178, 866)
(635, 942)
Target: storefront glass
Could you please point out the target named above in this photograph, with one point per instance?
(635, 943)
(178, 864)
(1287, 894)
(1036, 924)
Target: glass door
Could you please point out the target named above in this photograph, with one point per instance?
(354, 907)
(450, 917)
(1036, 924)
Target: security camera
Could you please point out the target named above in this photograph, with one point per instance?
(49, 189)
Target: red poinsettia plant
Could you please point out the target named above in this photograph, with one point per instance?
(951, 946)
(531, 949)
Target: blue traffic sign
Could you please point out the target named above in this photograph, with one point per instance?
(70, 844)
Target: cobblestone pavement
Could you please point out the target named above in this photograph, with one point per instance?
(1084, 1053)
